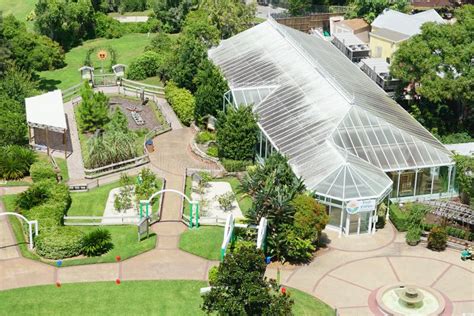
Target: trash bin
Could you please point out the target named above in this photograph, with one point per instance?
(149, 146)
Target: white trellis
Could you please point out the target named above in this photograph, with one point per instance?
(30, 228)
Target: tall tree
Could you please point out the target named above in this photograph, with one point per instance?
(172, 13)
(93, 110)
(370, 9)
(67, 22)
(237, 133)
(189, 54)
(197, 24)
(211, 87)
(229, 16)
(241, 288)
(437, 65)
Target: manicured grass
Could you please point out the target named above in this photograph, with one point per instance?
(126, 245)
(127, 47)
(19, 8)
(169, 297)
(62, 164)
(91, 203)
(124, 238)
(156, 81)
(204, 242)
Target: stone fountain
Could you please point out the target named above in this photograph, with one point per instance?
(405, 299)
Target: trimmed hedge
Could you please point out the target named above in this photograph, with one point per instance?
(42, 170)
(236, 165)
(63, 242)
(453, 232)
(399, 218)
(144, 66)
(182, 101)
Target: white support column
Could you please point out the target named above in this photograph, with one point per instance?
(450, 170)
(398, 183)
(342, 217)
(30, 233)
(432, 178)
(416, 180)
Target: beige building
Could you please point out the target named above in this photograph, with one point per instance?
(358, 27)
(391, 28)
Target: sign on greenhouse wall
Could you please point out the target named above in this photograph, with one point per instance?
(359, 206)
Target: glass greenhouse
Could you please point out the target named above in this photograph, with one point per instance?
(352, 144)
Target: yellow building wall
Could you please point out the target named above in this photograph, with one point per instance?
(381, 48)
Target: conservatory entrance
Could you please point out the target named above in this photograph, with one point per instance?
(359, 223)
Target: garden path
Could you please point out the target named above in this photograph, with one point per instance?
(172, 156)
(8, 246)
(75, 164)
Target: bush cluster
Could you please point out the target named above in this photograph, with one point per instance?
(205, 136)
(144, 66)
(236, 165)
(182, 101)
(398, 218)
(42, 170)
(438, 238)
(97, 242)
(453, 231)
(60, 243)
(15, 162)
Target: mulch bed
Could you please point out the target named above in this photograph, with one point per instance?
(146, 112)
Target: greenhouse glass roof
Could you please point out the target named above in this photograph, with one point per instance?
(339, 129)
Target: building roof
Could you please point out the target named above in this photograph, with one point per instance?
(46, 111)
(351, 41)
(465, 149)
(323, 112)
(355, 24)
(390, 35)
(404, 23)
(378, 65)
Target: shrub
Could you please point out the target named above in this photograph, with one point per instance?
(413, 236)
(204, 137)
(212, 275)
(310, 217)
(182, 102)
(63, 242)
(225, 200)
(212, 151)
(236, 165)
(108, 27)
(93, 110)
(438, 238)
(49, 215)
(15, 162)
(144, 66)
(298, 250)
(237, 133)
(32, 197)
(97, 242)
(398, 218)
(42, 170)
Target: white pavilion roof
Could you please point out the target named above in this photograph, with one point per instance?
(337, 127)
(46, 111)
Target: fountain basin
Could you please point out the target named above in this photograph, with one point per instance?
(406, 299)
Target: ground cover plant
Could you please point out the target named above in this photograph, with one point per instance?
(15, 162)
(177, 297)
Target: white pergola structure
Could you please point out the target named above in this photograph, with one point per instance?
(46, 111)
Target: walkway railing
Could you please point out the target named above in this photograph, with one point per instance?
(101, 220)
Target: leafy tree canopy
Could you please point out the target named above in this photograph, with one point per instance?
(211, 86)
(370, 9)
(229, 16)
(172, 13)
(438, 63)
(67, 22)
(237, 132)
(240, 287)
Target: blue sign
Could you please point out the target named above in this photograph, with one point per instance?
(268, 260)
(59, 263)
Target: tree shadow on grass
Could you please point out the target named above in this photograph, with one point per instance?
(48, 84)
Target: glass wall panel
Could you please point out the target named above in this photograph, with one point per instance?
(269, 148)
(423, 181)
(407, 183)
(443, 180)
(437, 186)
(335, 216)
(394, 177)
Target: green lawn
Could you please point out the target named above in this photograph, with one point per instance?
(155, 81)
(124, 238)
(91, 203)
(170, 297)
(19, 8)
(204, 242)
(127, 47)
